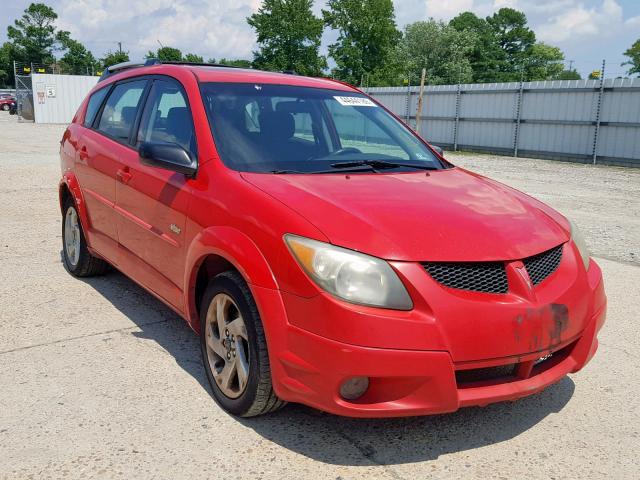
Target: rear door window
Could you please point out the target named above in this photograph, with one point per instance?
(120, 110)
(94, 105)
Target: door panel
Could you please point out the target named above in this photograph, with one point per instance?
(100, 153)
(96, 166)
(151, 207)
(152, 202)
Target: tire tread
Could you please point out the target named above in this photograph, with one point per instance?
(266, 400)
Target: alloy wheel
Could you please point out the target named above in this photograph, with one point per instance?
(227, 345)
(72, 236)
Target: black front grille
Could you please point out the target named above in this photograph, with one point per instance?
(491, 277)
(487, 277)
(542, 265)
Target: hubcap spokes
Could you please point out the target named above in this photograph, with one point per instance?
(72, 236)
(227, 345)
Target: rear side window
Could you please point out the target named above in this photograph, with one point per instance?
(94, 105)
(166, 117)
(119, 112)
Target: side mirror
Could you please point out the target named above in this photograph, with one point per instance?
(438, 149)
(168, 156)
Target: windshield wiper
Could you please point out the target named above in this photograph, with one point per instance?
(282, 172)
(347, 168)
(380, 164)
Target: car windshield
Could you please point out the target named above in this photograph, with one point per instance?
(290, 129)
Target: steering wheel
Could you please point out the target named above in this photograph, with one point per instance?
(345, 151)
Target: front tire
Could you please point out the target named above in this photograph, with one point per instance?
(76, 256)
(234, 349)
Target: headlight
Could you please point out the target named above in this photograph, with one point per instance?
(577, 238)
(349, 275)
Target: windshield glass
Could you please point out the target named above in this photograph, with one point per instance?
(282, 128)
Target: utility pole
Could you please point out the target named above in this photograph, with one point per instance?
(419, 109)
(571, 65)
(119, 47)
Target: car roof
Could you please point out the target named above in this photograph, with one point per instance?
(215, 73)
(246, 75)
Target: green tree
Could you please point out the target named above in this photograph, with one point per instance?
(569, 75)
(232, 62)
(288, 35)
(77, 60)
(112, 58)
(166, 54)
(439, 48)
(543, 62)
(633, 53)
(487, 58)
(515, 38)
(7, 56)
(33, 34)
(367, 36)
(395, 71)
(192, 58)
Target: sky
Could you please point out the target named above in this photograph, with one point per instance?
(588, 31)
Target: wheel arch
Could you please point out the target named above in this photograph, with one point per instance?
(69, 187)
(216, 250)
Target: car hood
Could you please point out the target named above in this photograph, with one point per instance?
(445, 215)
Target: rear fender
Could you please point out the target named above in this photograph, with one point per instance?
(70, 182)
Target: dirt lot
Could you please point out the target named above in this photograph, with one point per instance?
(100, 380)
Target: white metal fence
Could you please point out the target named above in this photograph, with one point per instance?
(57, 97)
(587, 121)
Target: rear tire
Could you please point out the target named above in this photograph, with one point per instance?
(234, 349)
(76, 256)
(5, 107)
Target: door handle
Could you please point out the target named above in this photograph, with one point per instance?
(83, 154)
(124, 175)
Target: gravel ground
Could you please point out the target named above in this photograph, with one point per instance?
(100, 380)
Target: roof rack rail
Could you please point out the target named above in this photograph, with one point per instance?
(118, 67)
(199, 64)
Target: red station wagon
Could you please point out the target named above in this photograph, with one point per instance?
(324, 252)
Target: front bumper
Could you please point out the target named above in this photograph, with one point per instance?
(406, 383)
(309, 368)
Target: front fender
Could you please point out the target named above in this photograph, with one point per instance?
(70, 182)
(235, 247)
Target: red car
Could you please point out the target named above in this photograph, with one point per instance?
(6, 102)
(323, 251)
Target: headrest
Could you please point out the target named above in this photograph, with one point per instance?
(128, 115)
(178, 115)
(179, 125)
(277, 126)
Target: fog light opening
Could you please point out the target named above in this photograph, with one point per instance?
(354, 387)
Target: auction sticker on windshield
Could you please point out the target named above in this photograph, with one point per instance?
(355, 102)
